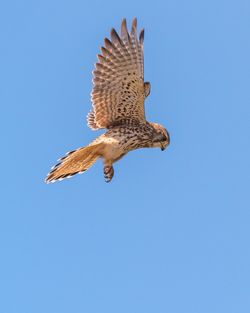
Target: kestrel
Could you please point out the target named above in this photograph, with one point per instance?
(118, 97)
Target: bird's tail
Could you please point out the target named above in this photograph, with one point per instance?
(74, 162)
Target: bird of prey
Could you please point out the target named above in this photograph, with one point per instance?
(118, 97)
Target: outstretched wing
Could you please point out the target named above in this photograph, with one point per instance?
(118, 94)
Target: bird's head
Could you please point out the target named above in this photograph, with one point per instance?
(161, 138)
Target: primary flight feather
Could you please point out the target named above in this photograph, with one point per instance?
(118, 98)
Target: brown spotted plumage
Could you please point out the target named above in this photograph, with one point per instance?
(118, 97)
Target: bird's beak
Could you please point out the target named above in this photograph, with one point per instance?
(162, 147)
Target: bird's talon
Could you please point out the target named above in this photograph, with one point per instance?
(108, 173)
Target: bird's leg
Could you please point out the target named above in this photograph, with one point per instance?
(108, 171)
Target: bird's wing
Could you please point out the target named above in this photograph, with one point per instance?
(118, 94)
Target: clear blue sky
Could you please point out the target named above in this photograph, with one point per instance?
(171, 233)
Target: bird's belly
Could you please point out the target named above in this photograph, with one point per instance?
(113, 152)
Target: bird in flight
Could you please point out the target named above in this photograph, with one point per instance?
(118, 97)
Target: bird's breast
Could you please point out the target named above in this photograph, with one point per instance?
(121, 140)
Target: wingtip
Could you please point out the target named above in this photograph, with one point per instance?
(124, 28)
(124, 22)
(134, 23)
(141, 37)
(108, 43)
(101, 58)
(115, 37)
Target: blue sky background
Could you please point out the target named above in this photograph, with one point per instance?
(171, 233)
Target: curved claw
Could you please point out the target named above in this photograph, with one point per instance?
(108, 173)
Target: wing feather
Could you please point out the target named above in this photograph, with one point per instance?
(118, 91)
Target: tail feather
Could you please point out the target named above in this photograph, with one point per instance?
(74, 162)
